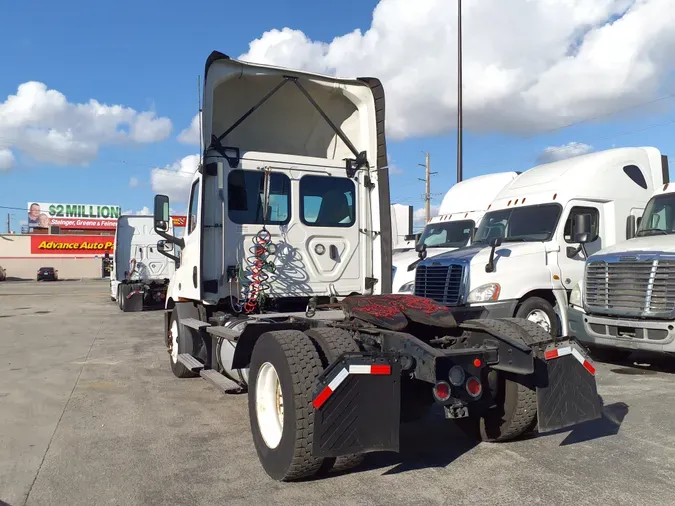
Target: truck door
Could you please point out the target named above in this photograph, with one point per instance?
(329, 215)
(188, 278)
(572, 267)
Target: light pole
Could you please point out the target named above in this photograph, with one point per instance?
(459, 90)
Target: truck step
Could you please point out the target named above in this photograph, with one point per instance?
(190, 362)
(194, 323)
(221, 382)
(224, 332)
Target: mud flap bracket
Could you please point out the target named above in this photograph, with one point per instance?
(567, 392)
(357, 405)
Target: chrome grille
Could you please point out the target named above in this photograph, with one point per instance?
(631, 287)
(442, 283)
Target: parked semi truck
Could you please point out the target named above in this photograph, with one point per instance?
(626, 300)
(140, 273)
(460, 212)
(283, 288)
(530, 248)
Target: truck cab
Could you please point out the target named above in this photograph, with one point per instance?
(530, 248)
(139, 263)
(460, 212)
(625, 301)
(290, 203)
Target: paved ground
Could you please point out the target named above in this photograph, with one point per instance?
(90, 414)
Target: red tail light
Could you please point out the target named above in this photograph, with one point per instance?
(474, 387)
(442, 391)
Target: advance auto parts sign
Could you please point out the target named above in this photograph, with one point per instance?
(76, 245)
(73, 216)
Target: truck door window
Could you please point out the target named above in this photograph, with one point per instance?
(194, 207)
(245, 197)
(327, 201)
(595, 222)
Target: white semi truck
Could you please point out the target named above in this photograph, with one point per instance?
(626, 300)
(460, 212)
(140, 273)
(284, 287)
(530, 248)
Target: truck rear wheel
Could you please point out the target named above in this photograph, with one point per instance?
(283, 372)
(179, 342)
(332, 343)
(516, 410)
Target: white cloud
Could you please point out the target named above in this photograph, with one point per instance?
(395, 170)
(191, 134)
(41, 123)
(555, 153)
(419, 216)
(174, 180)
(6, 159)
(144, 212)
(528, 65)
(133, 182)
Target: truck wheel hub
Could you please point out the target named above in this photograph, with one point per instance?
(269, 405)
(173, 341)
(540, 318)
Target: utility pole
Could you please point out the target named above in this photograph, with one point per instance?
(9, 224)
(427, 194)
(459, 90)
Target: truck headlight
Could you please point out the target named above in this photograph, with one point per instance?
(408, 287)
(575, 295)
(484, 293)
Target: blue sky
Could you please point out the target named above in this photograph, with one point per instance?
(147, 55)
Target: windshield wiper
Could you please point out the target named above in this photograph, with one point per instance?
(648, 230)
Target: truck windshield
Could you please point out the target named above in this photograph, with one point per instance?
(659, 216)
(450, 234)
(520, 224)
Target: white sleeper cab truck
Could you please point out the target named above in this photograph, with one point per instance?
(460, 212)
(530, 248)
(626, 301)
(140, 271)
(284, 287)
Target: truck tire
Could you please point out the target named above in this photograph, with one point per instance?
(119, 296)
(516, 411)
(332, 343)
(180, 342)
(284, 369)
(540, 311)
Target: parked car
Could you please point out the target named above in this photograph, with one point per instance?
(47, 274)
(3, 274)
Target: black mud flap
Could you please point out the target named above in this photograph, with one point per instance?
(357, 406)
(567, 392)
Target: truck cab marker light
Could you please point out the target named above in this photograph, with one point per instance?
(477, 362)
(568, 350)
(375, 369)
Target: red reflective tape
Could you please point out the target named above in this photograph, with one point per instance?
(322, 397)
(551, 354)
(589, 367)
(380, 369)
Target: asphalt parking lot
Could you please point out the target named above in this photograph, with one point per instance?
(91, 414)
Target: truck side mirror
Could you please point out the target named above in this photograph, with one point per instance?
(163, 245)
(421, 249)
(496, 242)
(161, 213)
(582, 228)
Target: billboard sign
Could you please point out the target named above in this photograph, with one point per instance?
(72, 216)
(179, 221)
(76, 245)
